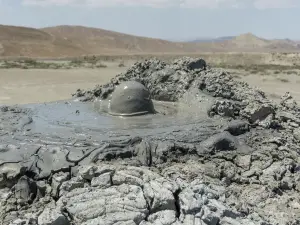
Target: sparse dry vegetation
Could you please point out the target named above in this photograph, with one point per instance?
(101, 65)
(76, 62)
(284, 80)
(35, 64)
(121, 64)
(255, 68)
(291, 72)
(28, 64)
(254, 71)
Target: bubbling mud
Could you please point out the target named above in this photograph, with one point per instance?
(130, 98)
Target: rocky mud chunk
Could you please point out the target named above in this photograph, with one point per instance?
(288, 102)
(220, 142)
(124, 203)
(296, 134)
(9, 174)
(225, 108)
(162, 217)
(256, 112)
(88, 172)
(72, 184)
(197, 64)
(160, 196)
(103, 181)
(190, 63)
(52, 216)
(155, 74)
(108, 194)
(151, 153)
(57, 180)
(137, 196)
(243, 161)
(237, 127)
(4, 195)
(25, 191)
(168, 84)
(288, 117)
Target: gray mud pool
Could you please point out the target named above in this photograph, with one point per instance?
(67, 118)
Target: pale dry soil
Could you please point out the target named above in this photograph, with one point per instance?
(19, 86)
(275, 84)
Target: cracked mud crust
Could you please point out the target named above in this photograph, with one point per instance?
(232, 158)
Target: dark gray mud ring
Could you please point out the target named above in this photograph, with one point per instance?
(64, 163)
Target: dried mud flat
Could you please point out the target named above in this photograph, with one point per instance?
(231, 157)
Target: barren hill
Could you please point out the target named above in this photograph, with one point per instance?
(97, 41)
(23, 41)
(249, 40)
(68, 41)
(64, 41)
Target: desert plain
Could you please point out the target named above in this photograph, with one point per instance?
(52, 80)
(71, 57)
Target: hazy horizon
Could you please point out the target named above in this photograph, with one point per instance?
(165, 19)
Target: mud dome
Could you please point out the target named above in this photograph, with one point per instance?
(217, 152)
(130, 98)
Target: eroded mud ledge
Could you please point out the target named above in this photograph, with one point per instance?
(233, 160)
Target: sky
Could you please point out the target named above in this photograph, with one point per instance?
(166, 19)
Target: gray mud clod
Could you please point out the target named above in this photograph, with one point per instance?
(197, 148)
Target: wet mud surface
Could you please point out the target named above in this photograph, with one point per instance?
(216, 152)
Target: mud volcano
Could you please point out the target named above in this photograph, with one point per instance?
(225, 155)
(130, 98)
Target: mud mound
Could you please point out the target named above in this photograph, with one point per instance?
(169, 82)
(240, 165)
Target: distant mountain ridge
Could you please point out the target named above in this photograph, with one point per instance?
(218, 39)
(228, 38)
(70, 41)
(249, 41)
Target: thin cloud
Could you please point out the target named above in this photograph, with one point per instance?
(259, 4)
(265, 4)
(103, 3)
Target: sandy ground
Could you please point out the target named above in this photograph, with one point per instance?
(35, 86)
(273, 84)
(274, 87)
